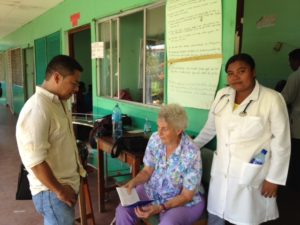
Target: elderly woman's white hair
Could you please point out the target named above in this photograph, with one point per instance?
(174, 115)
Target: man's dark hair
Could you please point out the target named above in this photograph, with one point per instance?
(295, 54)
(65, 65)
(241, 57)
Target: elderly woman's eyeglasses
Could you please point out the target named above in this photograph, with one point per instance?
(162, 129)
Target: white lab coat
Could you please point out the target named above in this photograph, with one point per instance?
(235, 185)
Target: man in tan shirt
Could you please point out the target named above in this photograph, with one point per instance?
(47, 144)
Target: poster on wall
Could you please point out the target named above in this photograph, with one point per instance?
(97, 50)
(194, 48)
(193, 83)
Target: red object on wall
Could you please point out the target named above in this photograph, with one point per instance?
(74, 19)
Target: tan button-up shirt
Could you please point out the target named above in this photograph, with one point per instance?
(44, 132)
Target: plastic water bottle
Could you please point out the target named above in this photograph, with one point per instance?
(259, 159)
(147, 128)
(117, 130)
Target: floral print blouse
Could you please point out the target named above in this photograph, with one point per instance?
(183, 169)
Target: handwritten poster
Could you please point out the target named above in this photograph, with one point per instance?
(194, 27)
(194, 34)
(193, 83)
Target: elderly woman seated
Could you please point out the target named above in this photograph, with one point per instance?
(171, 175)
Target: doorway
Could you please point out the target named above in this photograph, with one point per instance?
(80, 49)
(29, 81)
(82, 106)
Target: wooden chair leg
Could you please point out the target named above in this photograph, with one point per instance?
(82, 207)
(89, 206)
(85, 205)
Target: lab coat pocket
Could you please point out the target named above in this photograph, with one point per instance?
(252, 175)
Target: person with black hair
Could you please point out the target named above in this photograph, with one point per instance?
(89, 98)
(280, 85)
(47, 145)
(81, 106)
(291, 95)
(247, 118)
(0, 90)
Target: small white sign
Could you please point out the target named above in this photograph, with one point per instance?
(97, 50)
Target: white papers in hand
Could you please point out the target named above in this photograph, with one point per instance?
(127, 199)
(131, 200)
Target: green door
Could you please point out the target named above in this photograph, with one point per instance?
(45, 49)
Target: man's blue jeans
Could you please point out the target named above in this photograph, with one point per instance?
(54, 211)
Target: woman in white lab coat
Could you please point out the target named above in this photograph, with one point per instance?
(246, 117)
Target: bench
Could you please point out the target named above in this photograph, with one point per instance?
(206, 156)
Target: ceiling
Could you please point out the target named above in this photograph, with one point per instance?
(16, 13)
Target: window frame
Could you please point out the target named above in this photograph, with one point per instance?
(116, 18)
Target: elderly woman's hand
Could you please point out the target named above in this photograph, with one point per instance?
(147, 211)
(129, 185)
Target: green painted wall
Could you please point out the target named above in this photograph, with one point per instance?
(272, 66)
(58, 18)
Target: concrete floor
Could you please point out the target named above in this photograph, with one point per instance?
(13, 212)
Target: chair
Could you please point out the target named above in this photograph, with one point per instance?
(86, 212)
